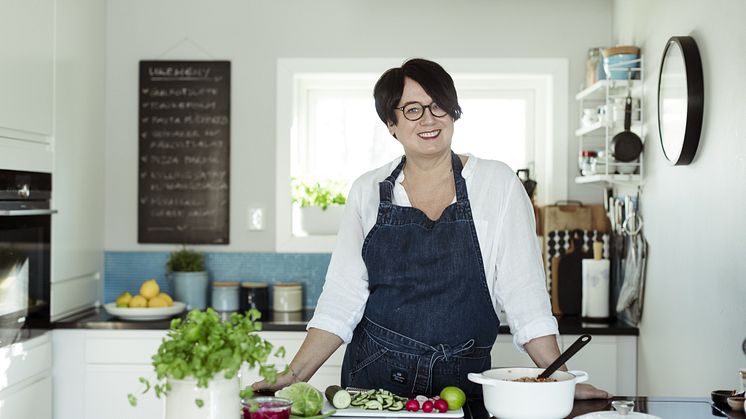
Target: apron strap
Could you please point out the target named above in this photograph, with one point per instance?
(386, 188)
(461, 194)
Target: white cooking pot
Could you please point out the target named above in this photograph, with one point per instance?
(508, 399)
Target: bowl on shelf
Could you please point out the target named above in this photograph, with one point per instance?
(618, 63)
(626, 168)
(720, 397)
(736, 402)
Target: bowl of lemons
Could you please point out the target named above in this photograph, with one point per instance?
(148, 304)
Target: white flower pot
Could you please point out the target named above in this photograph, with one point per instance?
(315, 221)
(221, 399)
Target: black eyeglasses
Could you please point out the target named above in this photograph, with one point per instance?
(414, 111)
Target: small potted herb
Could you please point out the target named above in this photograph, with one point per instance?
(320, 205)
(186, 270)
(198, 361)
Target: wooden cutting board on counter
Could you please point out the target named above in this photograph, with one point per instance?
(359, 412)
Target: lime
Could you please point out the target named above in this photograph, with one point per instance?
(454, 396)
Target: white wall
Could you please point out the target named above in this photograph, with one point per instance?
(253, 34)
(695, 308)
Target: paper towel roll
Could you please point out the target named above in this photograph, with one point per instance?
(595, 289)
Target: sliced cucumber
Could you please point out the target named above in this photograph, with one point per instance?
(338, 397)
(373, 405)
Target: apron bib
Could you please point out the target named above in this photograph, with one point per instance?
(429, 319)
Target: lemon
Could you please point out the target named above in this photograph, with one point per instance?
(138, 301)
(124, 299)
(454, 396)
(166, 297)
(149, 289)
(157, 302)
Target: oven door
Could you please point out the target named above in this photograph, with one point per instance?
(24, 271)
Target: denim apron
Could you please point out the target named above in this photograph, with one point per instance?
(429, 318)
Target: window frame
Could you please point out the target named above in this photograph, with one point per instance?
(547, 78)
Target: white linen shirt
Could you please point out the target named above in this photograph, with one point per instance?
(504, 221)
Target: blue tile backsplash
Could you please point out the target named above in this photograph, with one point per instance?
(125, 271)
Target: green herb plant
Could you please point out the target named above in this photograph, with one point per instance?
(317, 194)
(203, 345)
(185, 260)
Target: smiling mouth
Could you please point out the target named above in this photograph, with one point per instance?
(429, 135)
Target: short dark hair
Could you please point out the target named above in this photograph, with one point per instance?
(430, 75)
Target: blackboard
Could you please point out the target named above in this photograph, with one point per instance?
(184, 152)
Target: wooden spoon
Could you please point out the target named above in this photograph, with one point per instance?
(569, 352)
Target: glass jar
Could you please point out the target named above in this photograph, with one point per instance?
(587, 162)
(591, 66)
(225, 296)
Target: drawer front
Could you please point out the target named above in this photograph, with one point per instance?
(29, 401)
(26, 359)
(123, 348)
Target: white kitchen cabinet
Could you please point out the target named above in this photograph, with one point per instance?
(26, 384)
(94, 370)
(27, 69)
(27, 85)
(77, 179)
(610, 361)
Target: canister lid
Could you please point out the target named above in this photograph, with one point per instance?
(621, 49)
(287, 285)
(224, 284)
(249, 284)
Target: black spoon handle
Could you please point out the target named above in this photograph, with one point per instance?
(575, 347)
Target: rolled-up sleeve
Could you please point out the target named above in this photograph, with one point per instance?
(345, 293)
(519, 283)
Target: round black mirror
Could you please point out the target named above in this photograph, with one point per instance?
(680, 100)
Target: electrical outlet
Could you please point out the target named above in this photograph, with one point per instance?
(255, 219)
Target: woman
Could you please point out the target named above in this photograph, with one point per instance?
(430, 244)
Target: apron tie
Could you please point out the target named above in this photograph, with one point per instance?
(438, 353)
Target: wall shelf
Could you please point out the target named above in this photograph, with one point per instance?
(614, 179)
(606, 96)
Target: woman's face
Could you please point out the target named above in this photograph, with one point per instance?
(428, 135)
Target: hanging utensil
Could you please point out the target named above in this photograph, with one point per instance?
(626, 145)
(569, 352)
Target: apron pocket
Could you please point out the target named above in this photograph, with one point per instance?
(377, 366)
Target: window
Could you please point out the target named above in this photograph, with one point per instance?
(328, 128)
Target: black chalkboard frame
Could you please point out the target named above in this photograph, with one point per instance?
(184, 152)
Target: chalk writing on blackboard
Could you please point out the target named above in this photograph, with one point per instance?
(184, 152)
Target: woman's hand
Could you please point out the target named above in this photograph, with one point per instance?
(283, 380)
(587, 391)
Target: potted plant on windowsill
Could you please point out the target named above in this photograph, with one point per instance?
(186, 270)
(198, 361)
(320, 206)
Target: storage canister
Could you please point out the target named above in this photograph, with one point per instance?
(225, 296)
(287, 296)
(254, 295)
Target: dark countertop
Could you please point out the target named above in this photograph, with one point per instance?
(98, 318)
(663, 407)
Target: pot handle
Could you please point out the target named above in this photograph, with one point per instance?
(480, 379)
(580, 376)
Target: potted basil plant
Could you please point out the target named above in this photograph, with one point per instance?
(320, 206)
(198, 361)
(186, 271)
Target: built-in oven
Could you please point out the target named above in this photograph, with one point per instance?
(25, 230)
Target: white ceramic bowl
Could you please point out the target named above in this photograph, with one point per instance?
(508, 399)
